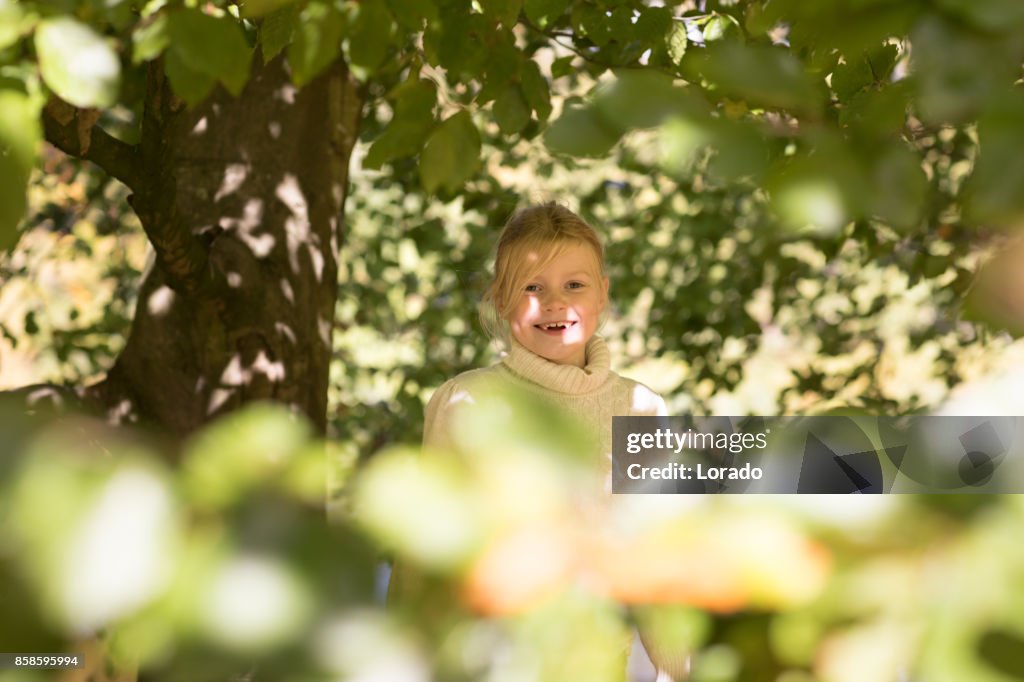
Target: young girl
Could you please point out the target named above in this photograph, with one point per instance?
(545, 301)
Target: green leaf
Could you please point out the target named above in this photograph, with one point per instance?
(150, 39)
(371, 35)
(581, 132)
(277, 30)
(882, 60)
(652, 24)
(536, 90)
(989, 15)
(543, 12)
(15, 21)
(504, 11)
(190, 85)
(412, 13)
(595, 24)
(676, 42)
(511, 111)
(621, 23)
(756, 21)
(317, 41)
(214, 46)
(451, 155)
(992, 195)
(562, 66)
(848, 79)
(762, 75)
(956, 71)
(77, 63)
(448, 43)
(719, 27)
(642, 99)
(900, 187)
(413, 119)
(879, 112)
(503, 58)
(258, 8)
(20, 136)
(820, 192)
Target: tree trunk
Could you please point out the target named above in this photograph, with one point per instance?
(243, 200)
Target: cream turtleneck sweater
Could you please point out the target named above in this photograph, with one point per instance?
(593, 393)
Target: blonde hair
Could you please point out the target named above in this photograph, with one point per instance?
(544, 228)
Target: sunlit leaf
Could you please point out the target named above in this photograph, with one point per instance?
(719, 27)
(317, 41)
(108, 547)
(421, 506)
(150, 39)
(77, 62)
(241, 451)
(451, 154)
(15, 21)
(676, 42)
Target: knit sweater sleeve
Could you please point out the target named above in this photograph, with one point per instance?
(437, 419)
(644, 402)
(447, 401)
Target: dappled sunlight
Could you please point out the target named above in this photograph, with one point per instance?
(298, 231)
(160, 301)
(234, 176)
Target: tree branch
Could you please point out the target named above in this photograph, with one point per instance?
(74, 132)
(182, 255)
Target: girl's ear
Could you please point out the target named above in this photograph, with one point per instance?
(604, 287)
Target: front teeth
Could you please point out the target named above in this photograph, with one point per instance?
(555, 325)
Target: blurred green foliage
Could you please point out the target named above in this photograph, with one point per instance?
(226, 565)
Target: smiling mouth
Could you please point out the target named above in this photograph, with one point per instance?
(556, 326)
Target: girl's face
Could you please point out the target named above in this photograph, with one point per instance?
(557, 310)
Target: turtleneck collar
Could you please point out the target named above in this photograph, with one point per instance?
(568, 379)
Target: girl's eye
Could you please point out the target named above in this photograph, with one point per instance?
(575, 285)
(532, 288)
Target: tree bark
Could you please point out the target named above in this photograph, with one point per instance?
(243, 200)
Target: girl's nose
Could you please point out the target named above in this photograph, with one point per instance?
(554, 301)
